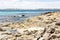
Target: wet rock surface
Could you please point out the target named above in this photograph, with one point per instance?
(44, 27)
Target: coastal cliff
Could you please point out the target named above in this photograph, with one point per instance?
(43, 27)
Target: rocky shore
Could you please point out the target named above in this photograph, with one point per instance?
(43, 27)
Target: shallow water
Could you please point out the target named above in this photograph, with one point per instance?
(16, 15)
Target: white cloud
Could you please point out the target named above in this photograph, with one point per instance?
(21, 4)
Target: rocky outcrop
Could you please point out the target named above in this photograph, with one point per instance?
(43, 27)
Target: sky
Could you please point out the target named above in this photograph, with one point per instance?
(29, 4)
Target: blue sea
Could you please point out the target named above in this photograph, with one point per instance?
(14, 12)
(5, 14)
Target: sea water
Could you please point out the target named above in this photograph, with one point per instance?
(13, 12)
(27, 13)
